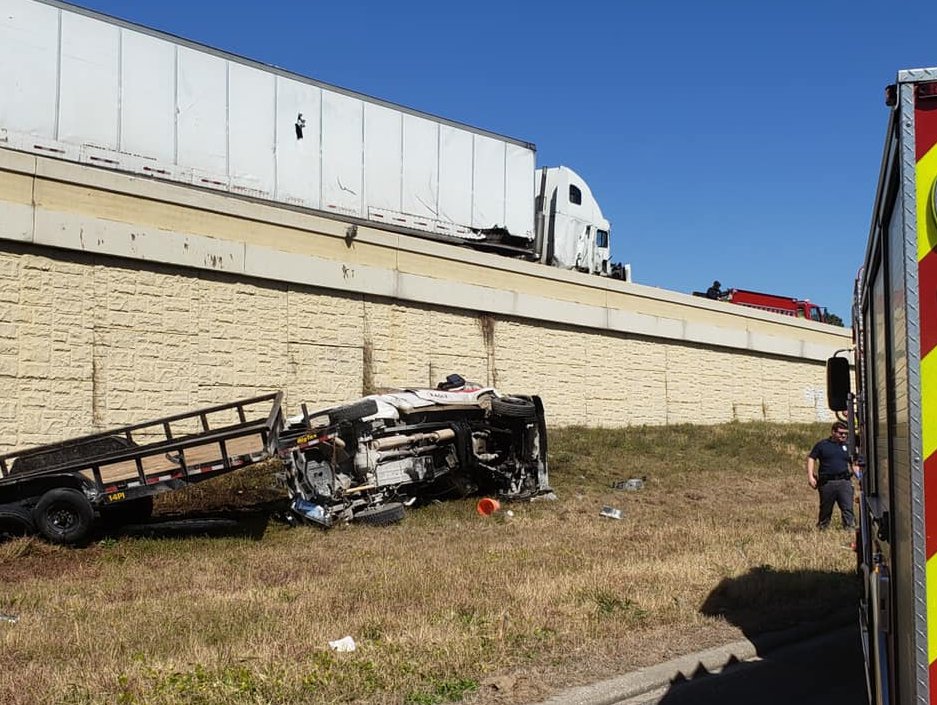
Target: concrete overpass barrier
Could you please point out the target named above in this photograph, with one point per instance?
(123, 297)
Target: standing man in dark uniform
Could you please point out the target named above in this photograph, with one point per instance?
(830, 472)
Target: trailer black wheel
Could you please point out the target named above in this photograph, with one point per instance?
(514, 407)
(353, 412)
(381, 516)
(15, 521)
(130, 511)
(64, 515)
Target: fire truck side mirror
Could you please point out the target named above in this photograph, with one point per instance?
(837, 383)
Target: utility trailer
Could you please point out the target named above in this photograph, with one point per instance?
(62, 489)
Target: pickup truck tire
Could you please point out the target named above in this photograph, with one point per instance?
(353, 412)
(381, 516)
(16, 521)
(514, 407)
(64, 516)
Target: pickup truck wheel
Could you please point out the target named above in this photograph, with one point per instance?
(381, 516)
(15, 521)
(64, 516)
(353, 412)
(514, 407)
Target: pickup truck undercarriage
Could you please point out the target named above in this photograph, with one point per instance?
(367, 460)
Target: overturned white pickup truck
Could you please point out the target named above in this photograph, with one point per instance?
(367, 460)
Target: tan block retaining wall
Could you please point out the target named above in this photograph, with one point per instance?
(123, 299)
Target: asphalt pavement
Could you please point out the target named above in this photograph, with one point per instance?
(822, 670)
(812, 664)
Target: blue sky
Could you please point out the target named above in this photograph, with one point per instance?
(727, 140)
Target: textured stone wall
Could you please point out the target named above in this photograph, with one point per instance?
(89, 342)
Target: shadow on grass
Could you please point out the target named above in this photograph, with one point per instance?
(765, 600)
(249, 521)
(798, 623)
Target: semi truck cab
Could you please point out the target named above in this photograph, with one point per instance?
(572, 231)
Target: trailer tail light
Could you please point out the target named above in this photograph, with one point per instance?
(927, 91)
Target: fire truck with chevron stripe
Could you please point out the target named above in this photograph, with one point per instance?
(892, 407)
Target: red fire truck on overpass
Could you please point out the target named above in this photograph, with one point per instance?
(800, 308)
(785, 305)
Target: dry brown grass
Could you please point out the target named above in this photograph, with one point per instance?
(447, 605)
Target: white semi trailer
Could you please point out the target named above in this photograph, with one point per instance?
(82, 86)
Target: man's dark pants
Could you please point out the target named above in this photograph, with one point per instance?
(837, 492)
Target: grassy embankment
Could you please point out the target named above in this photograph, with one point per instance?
(447, 605)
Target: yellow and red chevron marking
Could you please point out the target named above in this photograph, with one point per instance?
(925, 138)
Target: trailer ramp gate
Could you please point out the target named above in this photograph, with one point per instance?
(159, 455)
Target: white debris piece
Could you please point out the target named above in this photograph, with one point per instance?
(346, 643)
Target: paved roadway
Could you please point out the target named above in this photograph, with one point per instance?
(823, 670)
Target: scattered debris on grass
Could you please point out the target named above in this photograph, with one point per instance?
(345, 644)
(631, 485)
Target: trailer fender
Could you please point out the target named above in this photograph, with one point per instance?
(28, 490)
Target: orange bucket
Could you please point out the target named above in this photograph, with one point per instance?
(487, 506)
